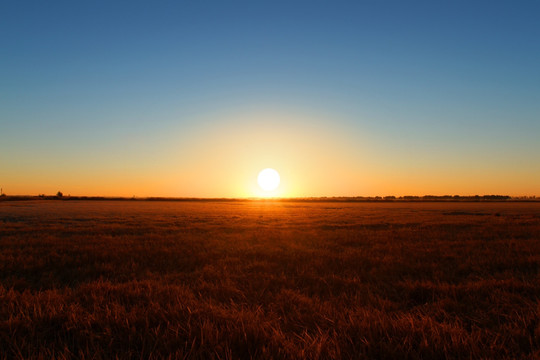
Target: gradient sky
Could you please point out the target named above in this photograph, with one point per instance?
(192, 99)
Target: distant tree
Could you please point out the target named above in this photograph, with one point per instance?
(59, 194)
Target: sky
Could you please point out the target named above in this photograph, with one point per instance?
(194, 98)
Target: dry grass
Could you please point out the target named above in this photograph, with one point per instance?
(266, 280)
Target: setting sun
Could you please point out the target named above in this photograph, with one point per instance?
(268, 179)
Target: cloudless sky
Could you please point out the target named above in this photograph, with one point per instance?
(193, 98)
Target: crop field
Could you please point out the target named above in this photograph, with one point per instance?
(269, 280)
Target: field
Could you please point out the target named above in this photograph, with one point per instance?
(265, 280)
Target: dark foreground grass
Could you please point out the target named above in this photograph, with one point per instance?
(102, 280)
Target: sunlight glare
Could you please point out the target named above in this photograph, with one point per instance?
(268, 179)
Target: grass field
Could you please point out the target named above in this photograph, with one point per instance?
(264, 280)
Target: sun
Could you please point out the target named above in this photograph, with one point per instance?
(268, 179)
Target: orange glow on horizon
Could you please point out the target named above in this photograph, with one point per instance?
(221, 157)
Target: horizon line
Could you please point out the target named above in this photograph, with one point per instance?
(358, 198)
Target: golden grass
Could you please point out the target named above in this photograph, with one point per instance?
(269, 280)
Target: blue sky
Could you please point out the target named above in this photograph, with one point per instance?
(429, 86)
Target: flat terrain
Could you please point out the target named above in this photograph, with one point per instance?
(291, 280)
